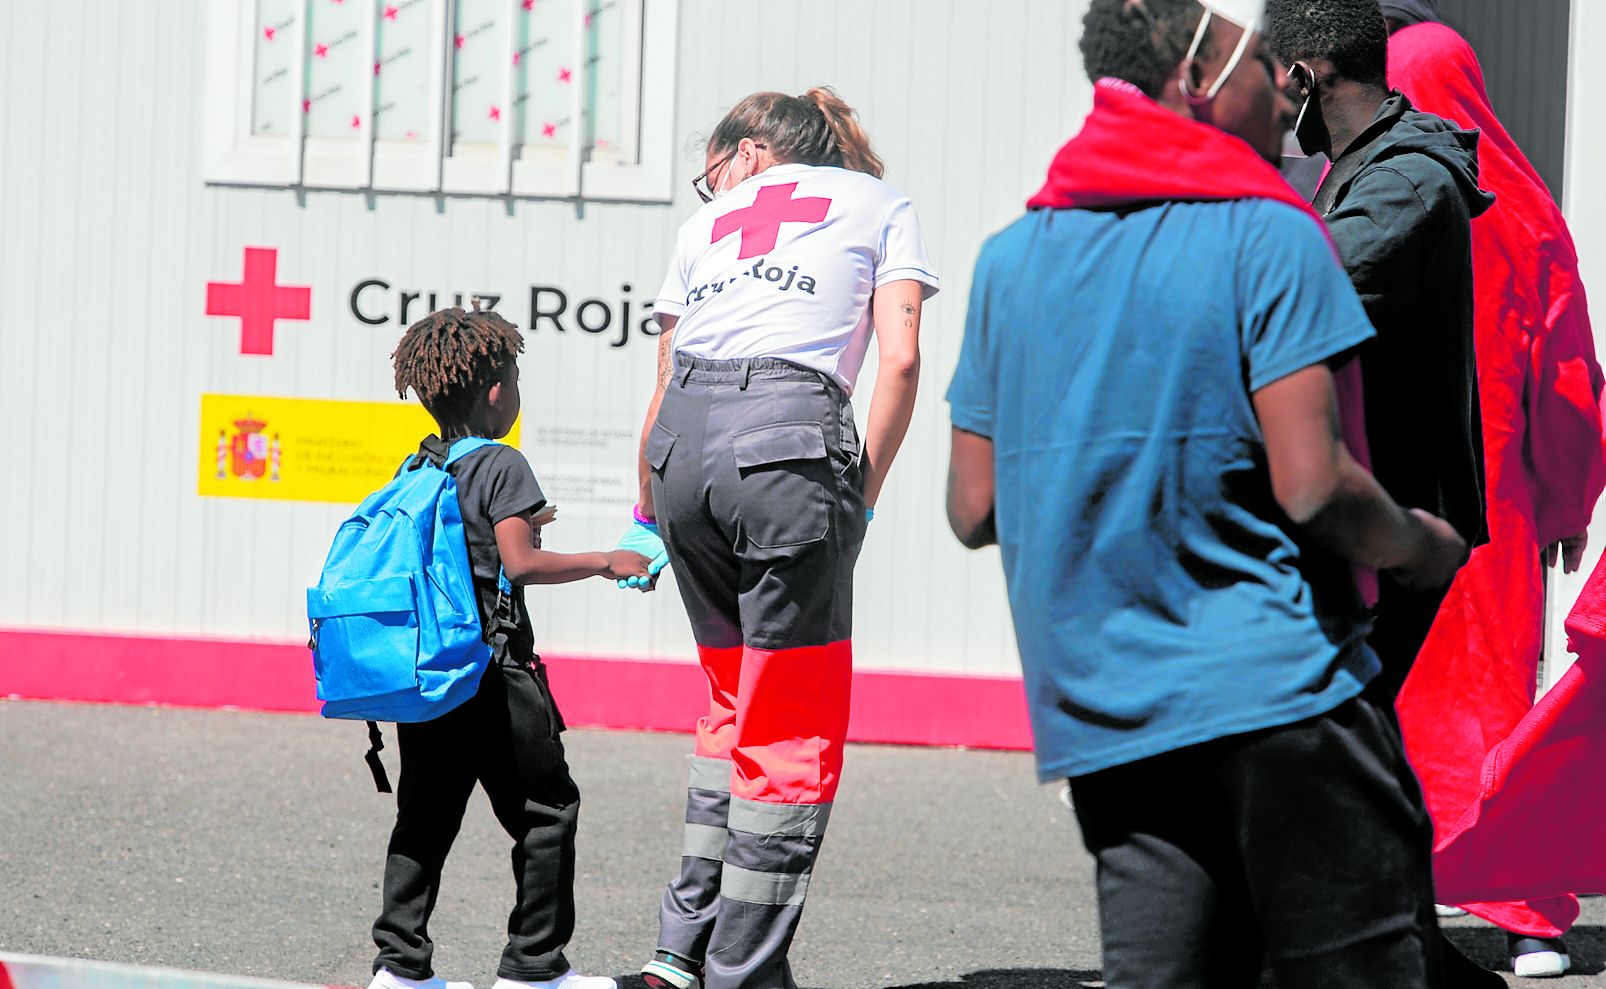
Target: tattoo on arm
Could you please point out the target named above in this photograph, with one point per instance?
(908, 314)
(666, 369)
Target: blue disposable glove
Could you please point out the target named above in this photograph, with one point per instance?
(869, 515)
(642, 537)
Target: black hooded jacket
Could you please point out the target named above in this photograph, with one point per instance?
(1402, 223)
(1411, 12)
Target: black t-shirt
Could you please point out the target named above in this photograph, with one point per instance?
(495, 483)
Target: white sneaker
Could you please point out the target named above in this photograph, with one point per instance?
(568, 980)
(1538, 958)
(386, 979)
(1448, 911)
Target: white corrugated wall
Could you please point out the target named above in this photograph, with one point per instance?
(111, 237)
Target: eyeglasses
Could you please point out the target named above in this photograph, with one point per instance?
(703, 186)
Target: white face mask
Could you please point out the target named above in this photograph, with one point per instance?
(724, 176)
(1251, 15)
(726, 179)
(1247, 14)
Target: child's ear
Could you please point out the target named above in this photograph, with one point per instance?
(493, 397)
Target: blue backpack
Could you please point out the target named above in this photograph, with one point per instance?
(395, 621)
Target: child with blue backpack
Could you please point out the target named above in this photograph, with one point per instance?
(463, 366)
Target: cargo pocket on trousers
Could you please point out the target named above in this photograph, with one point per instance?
(543, 689)
(659, 442)
(533, 715)
(783, 494)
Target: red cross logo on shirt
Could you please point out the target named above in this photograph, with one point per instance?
(760, 223)
(258, 300)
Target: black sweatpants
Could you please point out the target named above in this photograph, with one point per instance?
(506, 739)
(1401, 621)
(1305, 846)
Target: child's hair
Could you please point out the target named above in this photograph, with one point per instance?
(450, 357)
(817, 128)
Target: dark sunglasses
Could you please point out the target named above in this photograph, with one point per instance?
(701, 184)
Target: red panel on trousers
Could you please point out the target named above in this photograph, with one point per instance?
(791, 722)
(716, 730)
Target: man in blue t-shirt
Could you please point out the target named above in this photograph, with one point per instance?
(1146, 421)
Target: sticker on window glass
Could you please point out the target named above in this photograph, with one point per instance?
(477, 49)
(605, 44)
(401, 70)
(272, 98)
(334, 66)
(544, 74)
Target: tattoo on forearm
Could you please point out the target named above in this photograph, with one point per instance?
(666, 368)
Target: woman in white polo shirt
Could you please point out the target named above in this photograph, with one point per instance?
(754, 474)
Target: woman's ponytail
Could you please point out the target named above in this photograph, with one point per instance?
(816, 128)
(852, 144)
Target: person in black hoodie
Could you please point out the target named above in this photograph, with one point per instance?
(1404, 13)
(1399, 201)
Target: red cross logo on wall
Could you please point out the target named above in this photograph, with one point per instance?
(258, 300)
(760, 223)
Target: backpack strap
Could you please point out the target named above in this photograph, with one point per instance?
(502, 614)
(464, 447)
(375, 743)
(502, 618)
(436, 451)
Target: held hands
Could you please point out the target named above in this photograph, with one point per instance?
(625, 565)
(1440, 551)
(642, 537)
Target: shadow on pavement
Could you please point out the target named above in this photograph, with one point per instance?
(1000, 978)
(1486, 945)
(1017, 978)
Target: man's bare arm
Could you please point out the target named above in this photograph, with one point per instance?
(666, 373)
(971, 489)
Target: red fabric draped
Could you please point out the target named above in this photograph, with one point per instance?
(1534, 828)
(1465, 709)
(1133, 150)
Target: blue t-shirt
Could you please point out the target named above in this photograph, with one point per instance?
(1160, 595)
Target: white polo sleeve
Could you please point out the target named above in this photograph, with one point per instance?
(902, 251)
(671, 300)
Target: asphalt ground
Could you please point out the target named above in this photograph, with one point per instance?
(252, 844)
